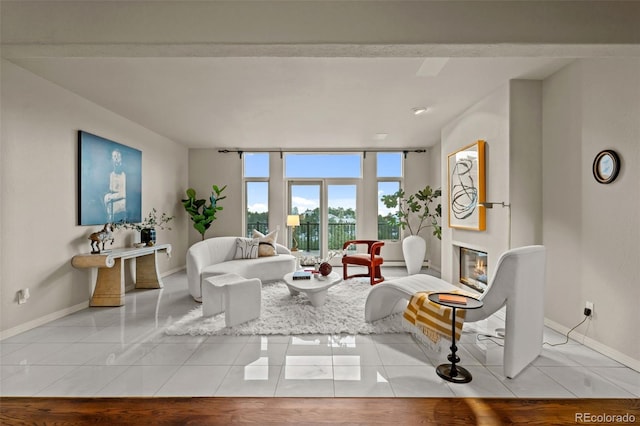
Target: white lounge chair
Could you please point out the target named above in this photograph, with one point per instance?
(518, 282)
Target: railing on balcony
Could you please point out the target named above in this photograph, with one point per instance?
(308, 234)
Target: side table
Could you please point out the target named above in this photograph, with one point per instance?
(109, 288)
(452, 372)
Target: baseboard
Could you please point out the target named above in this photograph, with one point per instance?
(173, 271)
(426, 264)
(5, 334)
(435, 268)
(595, 345)
(42, 320)
(393, 263)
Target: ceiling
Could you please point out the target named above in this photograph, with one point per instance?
(292, 102)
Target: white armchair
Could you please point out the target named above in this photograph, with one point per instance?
(518, 282)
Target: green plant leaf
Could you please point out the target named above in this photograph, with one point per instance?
(202, 214)
(418, 205)
(200, 228)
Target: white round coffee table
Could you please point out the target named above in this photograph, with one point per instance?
(315, 288)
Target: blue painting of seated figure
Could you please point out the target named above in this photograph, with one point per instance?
(110, 181)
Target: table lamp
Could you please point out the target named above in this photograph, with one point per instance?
(293, 220)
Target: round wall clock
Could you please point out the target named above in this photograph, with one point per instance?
(606, 166)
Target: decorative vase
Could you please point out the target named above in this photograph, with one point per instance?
(325, 269)
(148, 235)
(414, 248)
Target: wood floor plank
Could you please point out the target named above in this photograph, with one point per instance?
(309, 411)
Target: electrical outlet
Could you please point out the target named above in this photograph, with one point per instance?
(23, 295)
(588, 307)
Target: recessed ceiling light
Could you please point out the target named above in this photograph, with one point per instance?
(380, 136)
(420, 110)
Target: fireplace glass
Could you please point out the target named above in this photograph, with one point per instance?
(473, 269)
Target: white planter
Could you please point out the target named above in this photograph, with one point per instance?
(414, 248)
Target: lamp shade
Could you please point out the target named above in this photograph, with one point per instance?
(293, 220)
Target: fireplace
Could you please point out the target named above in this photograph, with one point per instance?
(473, 268)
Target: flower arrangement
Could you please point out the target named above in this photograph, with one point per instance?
(152, 221)
(332, 254)
(317, 260)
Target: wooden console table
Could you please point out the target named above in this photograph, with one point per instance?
(109, 289)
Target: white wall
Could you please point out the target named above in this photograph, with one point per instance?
(434, 173)
(206, 168)
(592, 230)
(510, 121)
(39, 235)
(487, 120)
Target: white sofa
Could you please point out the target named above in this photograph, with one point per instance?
(215, 256)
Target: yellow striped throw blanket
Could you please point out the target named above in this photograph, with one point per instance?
(431, 318)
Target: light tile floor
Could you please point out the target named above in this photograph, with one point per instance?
(124, 352)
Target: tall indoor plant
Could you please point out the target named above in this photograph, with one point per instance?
(414, 213)
(203, 215)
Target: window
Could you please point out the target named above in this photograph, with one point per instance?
(389, 164)
(389, 174)
(256, 181)
(323, 165)
(256, 165)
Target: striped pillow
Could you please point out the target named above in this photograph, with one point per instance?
(246, 248)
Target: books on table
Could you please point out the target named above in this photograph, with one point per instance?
(452, 298)
(301, 275)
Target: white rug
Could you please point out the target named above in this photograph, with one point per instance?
(343, 312)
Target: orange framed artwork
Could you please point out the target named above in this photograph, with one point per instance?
(466, 187)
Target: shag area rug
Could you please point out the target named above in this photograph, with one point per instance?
(343, 312)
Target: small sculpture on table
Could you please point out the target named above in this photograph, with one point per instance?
(325, 268)
(106, 234)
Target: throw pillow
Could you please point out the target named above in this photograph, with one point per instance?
(267, 243)
(247, 248)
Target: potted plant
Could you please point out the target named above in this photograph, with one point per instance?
(147, 227)
(203, 215)
(414, 213)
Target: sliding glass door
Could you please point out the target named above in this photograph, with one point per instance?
(340, 214)
(304, 200)
(327, 210)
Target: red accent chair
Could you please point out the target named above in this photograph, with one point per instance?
(371, 260)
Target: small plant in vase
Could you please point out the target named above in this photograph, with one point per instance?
(148, 226)
(422, 208)
(418, 205)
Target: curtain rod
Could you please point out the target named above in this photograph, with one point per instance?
(310, 151)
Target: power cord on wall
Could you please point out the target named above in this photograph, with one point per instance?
(587, 315)
(490, 337)
(499, 335)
